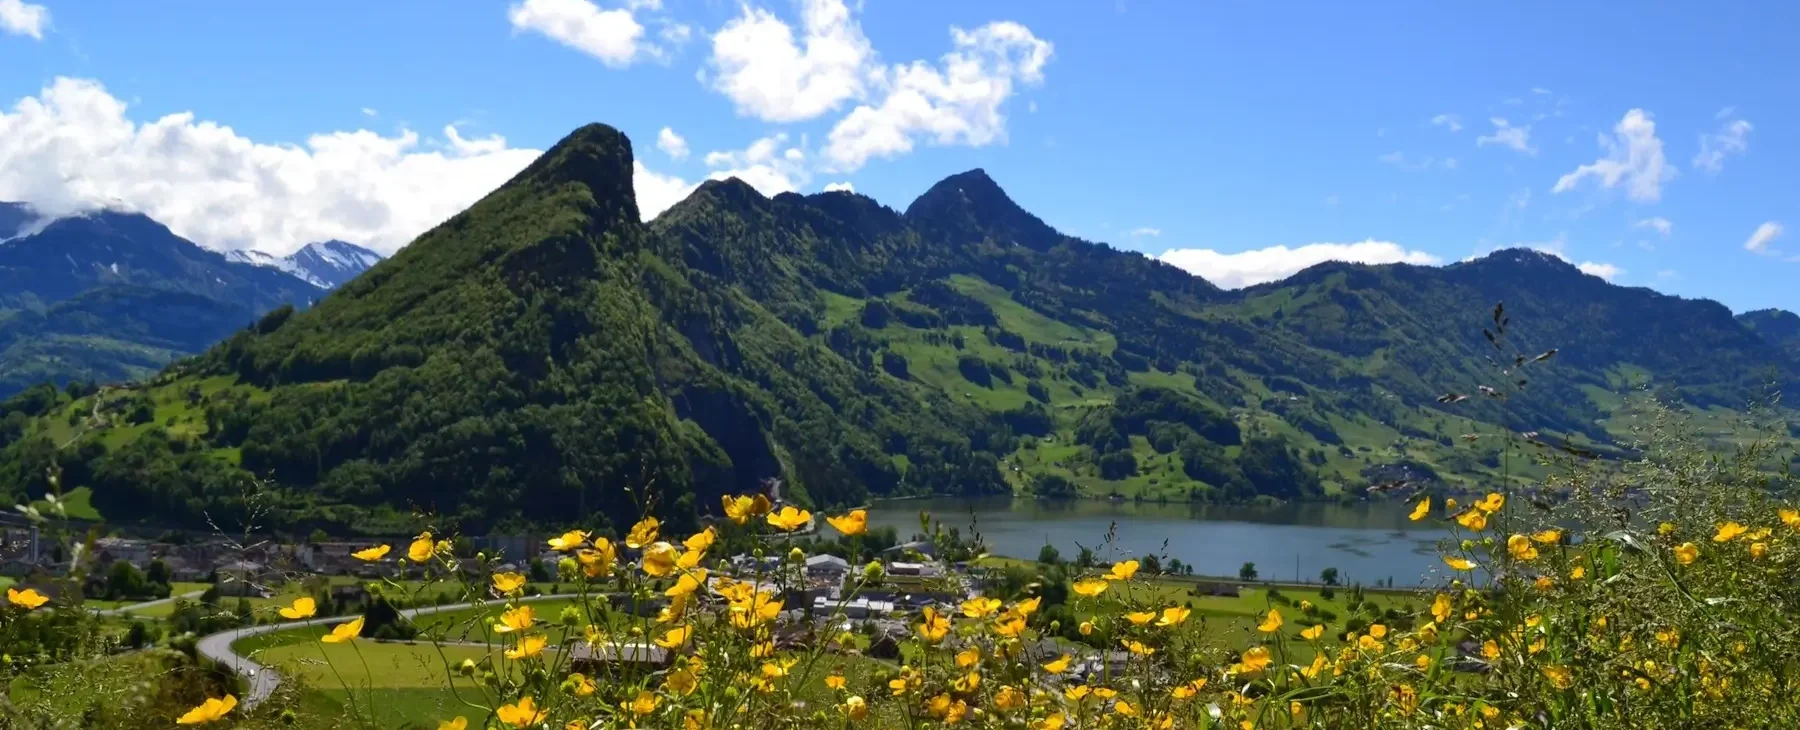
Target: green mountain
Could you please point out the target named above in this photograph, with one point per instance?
(545, 355)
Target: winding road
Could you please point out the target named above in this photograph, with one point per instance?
(135, 607)
(263, 680)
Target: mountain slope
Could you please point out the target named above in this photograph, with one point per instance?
(1778, 327)
(111, 296)
(544, 356)
(326, 264)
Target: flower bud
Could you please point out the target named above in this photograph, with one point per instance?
(873, 571)
(796, 556)
(467, 668)
(571, 616)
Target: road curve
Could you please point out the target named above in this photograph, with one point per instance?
(135, 607)
(263, 680)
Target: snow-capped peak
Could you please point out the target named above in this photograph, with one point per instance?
(326, 264)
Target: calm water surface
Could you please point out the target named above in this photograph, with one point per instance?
(1366, 542)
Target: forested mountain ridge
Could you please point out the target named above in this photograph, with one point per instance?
(545, 355)
(109, 296)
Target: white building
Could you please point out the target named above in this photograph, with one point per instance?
(827, 566)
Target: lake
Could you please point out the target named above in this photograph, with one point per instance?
(1367, 542)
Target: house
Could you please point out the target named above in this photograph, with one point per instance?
(598, 660)
(923, 570)
(241, 578)
(920, 547)
(827, 566)
(109, 550)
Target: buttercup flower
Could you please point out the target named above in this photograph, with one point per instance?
(370, 555)
(302, 607)
(1421, 511)
(344, 632)
(523, 713)
(27, 599)
(855, 523)
(213, 708)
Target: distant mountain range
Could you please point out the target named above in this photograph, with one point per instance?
(546, 357)
(109, 296)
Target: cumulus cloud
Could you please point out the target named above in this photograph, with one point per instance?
(955, 102)
(1559, 246)
(1765, 234)
(1634, 158)
(73, 148)
(1246, 268)
(671, 143)
(769, 164)
(1448, 121)
(1732, 138)
(614, 36)
(657, 192)
(1507, 135)
(22, 18)
(1656, 223)
(1146, 231)
(769, 75)
(840, 187)
(1603, 270)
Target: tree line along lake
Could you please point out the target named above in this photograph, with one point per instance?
(1367, 542)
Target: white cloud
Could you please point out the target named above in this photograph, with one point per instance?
(1668, 275)
(1634, 157)
(1506, 135)
(1726, 113)
(657, 192)
(1656, 223)
(370, 112)
(1448, 121)
(671, 143)
(23, 18)
(1764, 235)
(759, 66)
(1146, 231)
(1246, 268)
(1732, 138)
(768, 164)
(840, 186)
(1603, 270)
(73, 148)
(614, 36)
(957, 102)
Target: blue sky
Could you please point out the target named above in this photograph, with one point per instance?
(1241, 140)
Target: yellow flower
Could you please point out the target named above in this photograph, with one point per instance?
(1189, 689)
(523, 713)
(1086, 627)
(582, 686)
(1173, 616)
(373, 554)
(460, 723)
(1124, 708)
(856, 709)
(1440, 607)
(1559, 676)
(754, 610)
(1758, 550)
(212, 709)
(1449, 504)
(517, 619)
(1686, 553)
(1312, 633)
(957, 711)
(1368, 643)
(1028, 606)
(598, 561)
(1578, 572)
(420, 549)
(1378, 631)
(1421, 511)
(344, 632)
(1543, 583)
(303, 607)
(1137, 647)
(683, 681)
(1490, 650)
(1491, 503)
(699, 542)
(507, 584)
(1790, 517)
(568, 541)
(1059, 665)
(659, 560)
(1547, 537)
(687, 583)
(1521, 548)
(789, 519)
(1123, 570)
(1458, 563)
(1105, 693)
(968, 656)
(934, 627)
(1009, 625)
(855, 523)
(1053, 721)
(1271, 623)
(938, 706)
(741, 509)
(1090, 587)
(691, 559)
(529, 646)
(1422, 662)
(643, 533)
(772, 670)
(1009, 698)
(1474, 519)
(1729, 531)
(835, 680)
(966, 683)
(1139, 618)
(979, 607)
(675, 637)
(1254, 659)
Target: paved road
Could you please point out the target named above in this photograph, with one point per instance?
(263, 680)
(135, 607)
